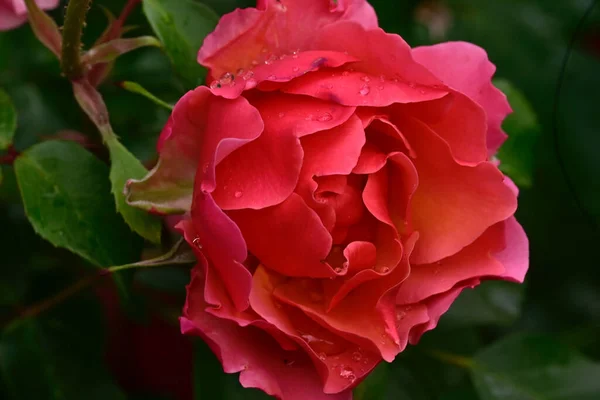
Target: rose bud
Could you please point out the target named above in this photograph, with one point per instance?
(340, 191)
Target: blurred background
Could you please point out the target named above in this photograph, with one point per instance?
(500, 341)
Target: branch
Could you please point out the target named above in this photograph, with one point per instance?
(71, 39)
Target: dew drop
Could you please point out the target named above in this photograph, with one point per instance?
(381, 78)
(248, 75)
(357, 356)
(325, 117)
(196, 242)
(365, 79)
(281, 115)
(380, 87)
(296, 69)
(237, 194)
(422, 91)
(215, 85)
(240, 72)
(309, 117)
(348, 373)
(383, 270)
(295, 54)
(226, 79)
(205, 168)
(322, 356)
(271, 59)
(365, 90)
(411, 84)
(251, 83)
(318, 62)
(271, 77)
(345, 73)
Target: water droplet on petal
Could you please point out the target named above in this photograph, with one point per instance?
(215, 85)
(318, 62)
(322, 356)
(271, 77)
(380, 87)
(205, 168)
(422, 91)
(295, 54)
(309, 117)
(281, 115)
(365, 90)
(325, 117)
(295, 69)
(251, 83)
(345, 73)
(248, 75)
(411, 84)
(348, 373)
(365, 79)
(240, 72)
(382, 78)
(226, 79)
(271, 59)
(196, 242)
(357, 356)
(237, 194)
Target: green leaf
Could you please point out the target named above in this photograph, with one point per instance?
(491, 303)
(124, 166)
(516, 154)
(58, 356)
(137, 88)
(66, 195)
(8, 120)
(375, 386)
(532, 367)
(182, 26)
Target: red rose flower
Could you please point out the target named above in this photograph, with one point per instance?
(340, 190)
(14, 12)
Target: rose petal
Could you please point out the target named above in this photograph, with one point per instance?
(288, 238)
(335, 358)
(474, 261)
(248, 35)
(385, 75)
(200, 133)
(515, 256)
(284, 374)
(453, 204)
(456, 119)
(224, 246)
(466, 68)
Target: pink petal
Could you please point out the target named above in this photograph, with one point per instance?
(474, 261)
(288, 238)
(515, 256)
(248, 35)
(466, 68)
(459, 121)
(262, 363)
(334, 357)
(199, 134)
(451, 196)
(224, 246)
(385, 75)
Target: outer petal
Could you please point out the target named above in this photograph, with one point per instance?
(276, 27)
(262, 363)
(385, 75)
(466, 68)
(201, 133)
(224, 246)
(474, 261)
(453, 204)
(515, 256)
